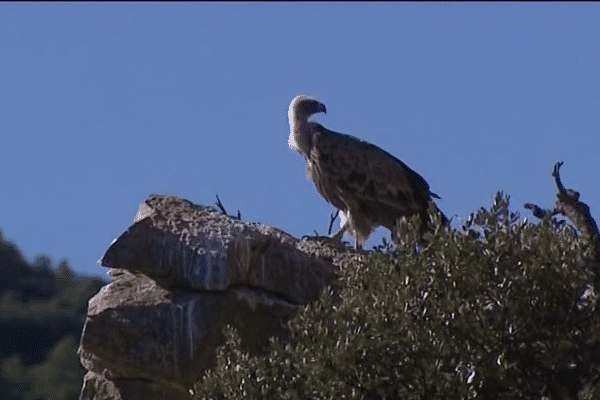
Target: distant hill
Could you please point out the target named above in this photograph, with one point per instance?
(42, 312)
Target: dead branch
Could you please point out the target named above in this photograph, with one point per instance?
(222, 208)
(333, 217)
(540, 212)
(568, 204)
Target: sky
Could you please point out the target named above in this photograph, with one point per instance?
(103, 104)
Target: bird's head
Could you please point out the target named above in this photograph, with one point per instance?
(302, 107)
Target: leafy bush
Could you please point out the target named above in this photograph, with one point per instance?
(503, 309)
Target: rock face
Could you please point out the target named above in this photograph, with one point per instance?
(181, 273)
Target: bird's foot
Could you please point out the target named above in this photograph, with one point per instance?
(333, 241)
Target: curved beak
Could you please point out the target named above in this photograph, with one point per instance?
(322, 108)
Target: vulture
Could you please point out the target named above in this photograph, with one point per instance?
(369, 186)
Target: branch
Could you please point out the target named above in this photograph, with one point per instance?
(333, 217)
(222, 208)
(556, 175)
(540, 212)
(568, 204)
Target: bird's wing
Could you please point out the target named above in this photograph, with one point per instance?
(367, 172)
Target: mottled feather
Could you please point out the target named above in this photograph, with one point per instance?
(367, 184)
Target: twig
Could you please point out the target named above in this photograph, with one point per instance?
(333, 218)
(222, 208)
(220, 205)
(540, 212)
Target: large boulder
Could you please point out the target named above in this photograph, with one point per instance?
(181, 273)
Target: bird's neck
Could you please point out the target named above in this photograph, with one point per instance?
(300, 135)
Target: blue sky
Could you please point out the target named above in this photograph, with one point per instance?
(105, 103)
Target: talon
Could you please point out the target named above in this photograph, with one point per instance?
(333, 241)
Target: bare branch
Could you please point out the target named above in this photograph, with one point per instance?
(556, 175)
(220, 205)
(222, 208)
(540, 212)
(568, 204)
(333, 218)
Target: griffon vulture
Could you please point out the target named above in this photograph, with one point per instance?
(369, 186)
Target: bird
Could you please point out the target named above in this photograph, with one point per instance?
(369, 186)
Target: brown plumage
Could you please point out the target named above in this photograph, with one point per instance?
(368, 185)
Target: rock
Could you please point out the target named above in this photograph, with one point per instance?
(180, 274)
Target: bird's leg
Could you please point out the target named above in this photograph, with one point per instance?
(337, 240)
(316, 236)
(338, 236)
(334, 241)
(358, 245)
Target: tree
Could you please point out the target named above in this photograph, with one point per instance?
(504, 309)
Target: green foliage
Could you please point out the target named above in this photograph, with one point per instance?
(59, 376)
(42, 311)
(503, 309)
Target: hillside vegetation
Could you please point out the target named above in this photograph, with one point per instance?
(500, 309)
(42, 311)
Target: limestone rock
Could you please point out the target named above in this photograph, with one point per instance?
(181, 273)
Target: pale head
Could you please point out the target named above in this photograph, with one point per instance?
(305, 106)
(301, 108)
